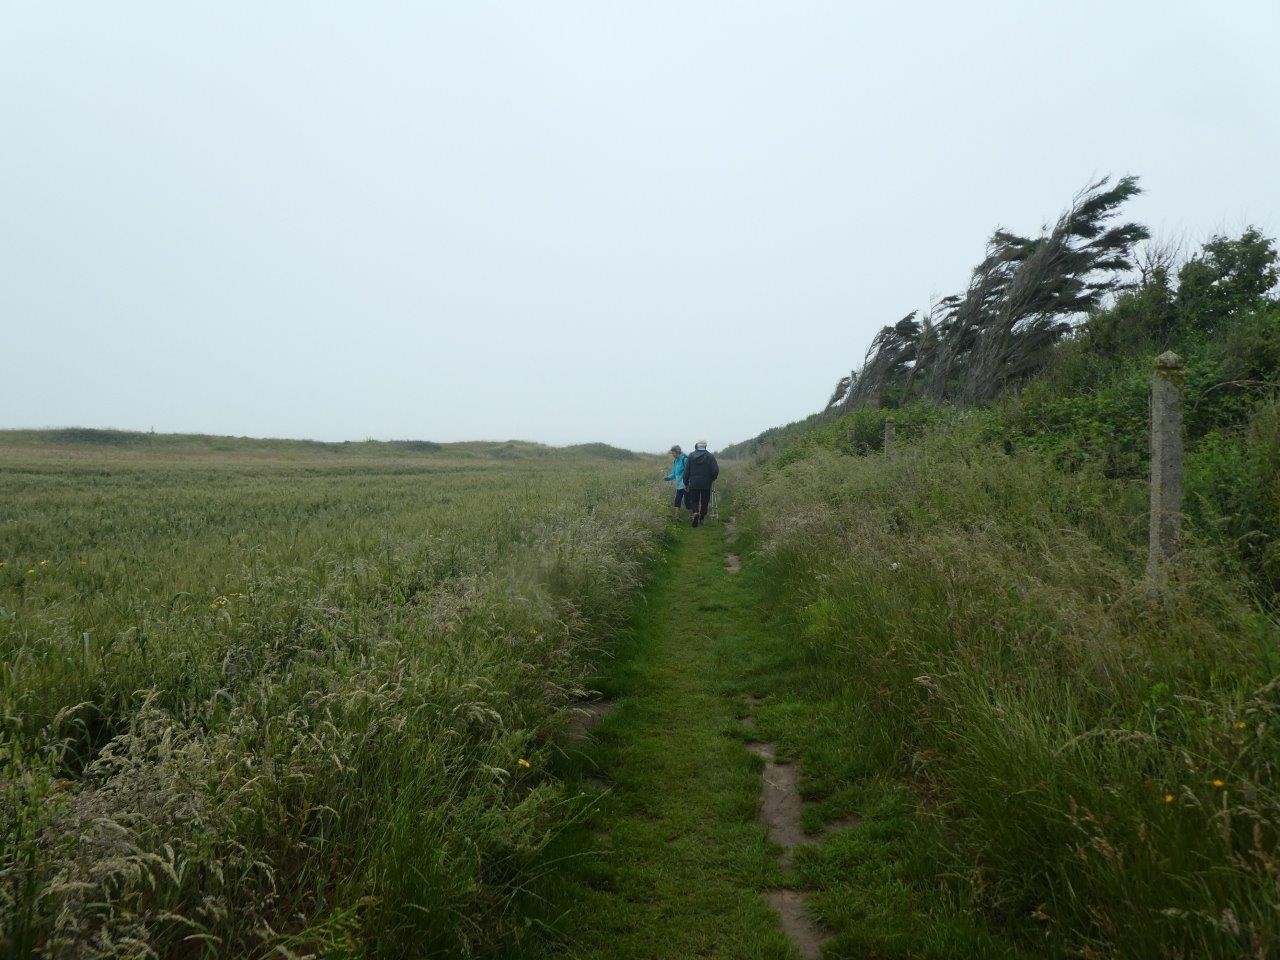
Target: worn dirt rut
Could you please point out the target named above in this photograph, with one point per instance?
(781, 809)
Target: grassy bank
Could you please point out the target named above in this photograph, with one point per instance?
(1054, 760)
(264, 705)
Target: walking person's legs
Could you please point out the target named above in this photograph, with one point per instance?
(698, 501)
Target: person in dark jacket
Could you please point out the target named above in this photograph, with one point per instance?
(700, 472)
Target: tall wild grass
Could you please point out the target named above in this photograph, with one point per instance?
(1101, 765)
(293, 707)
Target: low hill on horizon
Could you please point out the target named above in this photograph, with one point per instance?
(90, 438)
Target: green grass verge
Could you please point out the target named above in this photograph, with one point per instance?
(1051, 754)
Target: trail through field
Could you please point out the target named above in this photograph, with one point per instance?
(687, 852)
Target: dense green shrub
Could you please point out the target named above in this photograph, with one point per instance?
(1089, 411)
(1224, 283)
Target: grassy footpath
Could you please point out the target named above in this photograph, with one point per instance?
(670, 861)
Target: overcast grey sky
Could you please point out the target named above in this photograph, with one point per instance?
(639, 223)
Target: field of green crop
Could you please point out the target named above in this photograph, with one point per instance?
(284, 699)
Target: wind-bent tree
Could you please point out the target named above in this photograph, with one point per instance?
(889, 358)
(1051, 281)
(1023, 297)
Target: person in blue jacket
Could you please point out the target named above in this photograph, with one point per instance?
(677, 473)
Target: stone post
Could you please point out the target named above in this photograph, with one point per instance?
(888, 438)
(1166, 464)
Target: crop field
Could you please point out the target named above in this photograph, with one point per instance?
(286, 699)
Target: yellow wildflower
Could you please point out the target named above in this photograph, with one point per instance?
(1218, 784)
(1240, 725)
(1168, 798)
(523, 762)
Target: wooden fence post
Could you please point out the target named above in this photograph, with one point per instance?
(1166, 464)
(888, 438)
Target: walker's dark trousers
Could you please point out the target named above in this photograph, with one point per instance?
(698, 501)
